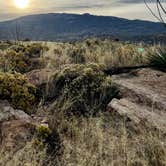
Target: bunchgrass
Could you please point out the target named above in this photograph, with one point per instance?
(158, 58)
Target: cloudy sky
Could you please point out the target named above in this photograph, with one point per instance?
(132, 9)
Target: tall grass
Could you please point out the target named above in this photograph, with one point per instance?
(104, 52)
(102, 141)
(97, 141)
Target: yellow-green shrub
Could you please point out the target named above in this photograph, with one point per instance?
(30, 50)
(22, 58)
(81, 89)
(17, 90)
(14, 61)
(43, 132)
(35, 50)
(77, 55)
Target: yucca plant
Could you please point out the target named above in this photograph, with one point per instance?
(158, 58)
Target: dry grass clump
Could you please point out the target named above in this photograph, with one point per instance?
(157, 57)
(4, 45)
(102, 141)
(28, 156)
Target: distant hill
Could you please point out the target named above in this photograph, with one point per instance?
(55, 27)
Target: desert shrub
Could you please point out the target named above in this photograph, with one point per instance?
(27, 40)
(158, 57)
(43, 132)
(48, 140)
(77, 55)
(58, 52)
(17, 90)
(81, 89)
(35, 50)
(14, 61)
(18, 48)
(30, 50)
(22, 58)
(4, 46)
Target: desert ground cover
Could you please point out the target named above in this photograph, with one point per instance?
(62, 103)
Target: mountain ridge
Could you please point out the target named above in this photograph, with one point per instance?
(64, 26)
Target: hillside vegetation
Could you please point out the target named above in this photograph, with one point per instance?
(66, 84)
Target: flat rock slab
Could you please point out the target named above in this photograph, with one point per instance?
(146, 86)
(137, 113)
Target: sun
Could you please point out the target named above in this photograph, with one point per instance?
(21, 3)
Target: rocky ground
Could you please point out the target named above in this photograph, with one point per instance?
(143, 95)
(142, 101)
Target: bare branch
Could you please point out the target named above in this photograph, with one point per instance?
(160, 13)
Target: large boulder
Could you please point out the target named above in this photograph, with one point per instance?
(137, 114)
(39, 77)
(16, 128)
(143, 98)
(145, 86)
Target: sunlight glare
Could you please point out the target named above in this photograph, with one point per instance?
(21, 3)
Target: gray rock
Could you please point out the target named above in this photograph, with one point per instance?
(8, 113)
(39, 77)
(137, 113)
(146, 86)
(143, 98)
(16, 128)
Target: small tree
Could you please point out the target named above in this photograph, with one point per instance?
(15, 32)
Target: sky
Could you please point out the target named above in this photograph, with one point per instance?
(131, 9)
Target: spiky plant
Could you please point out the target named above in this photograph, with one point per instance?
(158, 58)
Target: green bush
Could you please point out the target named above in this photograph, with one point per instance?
(45, 138)
(43, 132)
(4, 46)
(158, 58)
(18, 48)
(22, 58)
(17, 90)
(35, 50)
(77, 55)
(81, 89)
(30, 50)
(14, 61)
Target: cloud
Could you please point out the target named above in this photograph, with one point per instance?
(132, 9)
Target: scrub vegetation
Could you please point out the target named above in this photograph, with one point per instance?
(81, 131)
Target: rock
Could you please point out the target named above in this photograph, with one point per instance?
(16, 128)
(137, 113)
(39, 77)
(144, 86)
(8, 113)
(14, 135)
(143, 98)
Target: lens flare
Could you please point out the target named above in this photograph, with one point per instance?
(21, 3)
